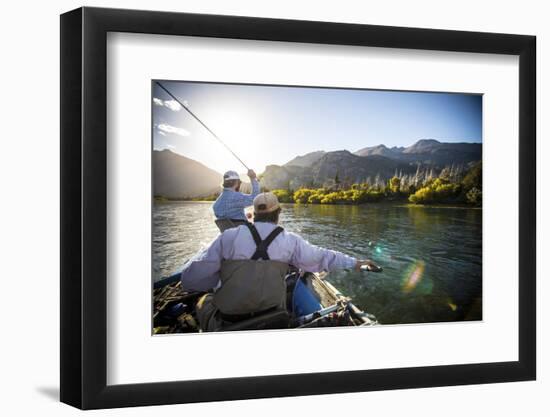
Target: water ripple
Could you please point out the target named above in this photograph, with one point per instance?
(447, 241)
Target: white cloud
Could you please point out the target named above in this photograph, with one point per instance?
(170, 104)
(165, 128)
(164, 147)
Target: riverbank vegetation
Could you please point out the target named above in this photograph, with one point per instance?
(451, 186)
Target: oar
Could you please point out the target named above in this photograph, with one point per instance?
(300, 321)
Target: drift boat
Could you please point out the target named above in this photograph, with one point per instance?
(311, 302)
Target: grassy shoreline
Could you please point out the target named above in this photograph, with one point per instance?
(395, 203)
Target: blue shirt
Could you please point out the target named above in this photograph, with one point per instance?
(231, 204)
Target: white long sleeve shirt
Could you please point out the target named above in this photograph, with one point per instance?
(202, 271)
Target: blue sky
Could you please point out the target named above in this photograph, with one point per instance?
(271, 125)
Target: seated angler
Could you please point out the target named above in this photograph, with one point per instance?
(246, 266)
(229, 206)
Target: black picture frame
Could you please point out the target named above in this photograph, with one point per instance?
(84, 207)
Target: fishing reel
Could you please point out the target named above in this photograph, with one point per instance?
(371, 268)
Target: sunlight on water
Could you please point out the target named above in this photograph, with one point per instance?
(431, 256)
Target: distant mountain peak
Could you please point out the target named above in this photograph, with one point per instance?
(176, 176)
(427, 142)
(425, 146)
(306, 160)
(381, 149)
(339, 152)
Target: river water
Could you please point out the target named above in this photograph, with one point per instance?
(431, 255)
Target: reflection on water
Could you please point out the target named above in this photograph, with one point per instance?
(431, 255)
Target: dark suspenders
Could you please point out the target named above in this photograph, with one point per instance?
(262, 245)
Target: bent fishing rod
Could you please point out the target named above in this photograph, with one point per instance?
(202, 123)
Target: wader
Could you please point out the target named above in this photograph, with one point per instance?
(249, 288)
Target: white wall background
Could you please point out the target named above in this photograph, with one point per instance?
(29, 219)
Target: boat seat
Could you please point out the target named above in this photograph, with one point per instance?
(278, 319)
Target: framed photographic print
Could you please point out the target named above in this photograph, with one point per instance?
(257, 207)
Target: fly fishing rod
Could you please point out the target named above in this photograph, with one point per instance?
(202, 123)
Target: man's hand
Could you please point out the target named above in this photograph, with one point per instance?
(251, 174)
(371, 266)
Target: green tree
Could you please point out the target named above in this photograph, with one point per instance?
(474, 196)
(317, 196)
(473, 178)
(394, 184)
(302, 195)
(439, 190)
(284, 196)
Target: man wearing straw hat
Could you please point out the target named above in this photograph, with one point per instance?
(247, 266)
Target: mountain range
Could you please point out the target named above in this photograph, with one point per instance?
(428, 151)
(317, 168)
(176, 176)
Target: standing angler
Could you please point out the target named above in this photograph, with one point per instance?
(230, 205)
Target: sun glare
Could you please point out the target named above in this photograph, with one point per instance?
(238, 131)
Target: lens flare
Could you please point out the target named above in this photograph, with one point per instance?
(413, 276)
